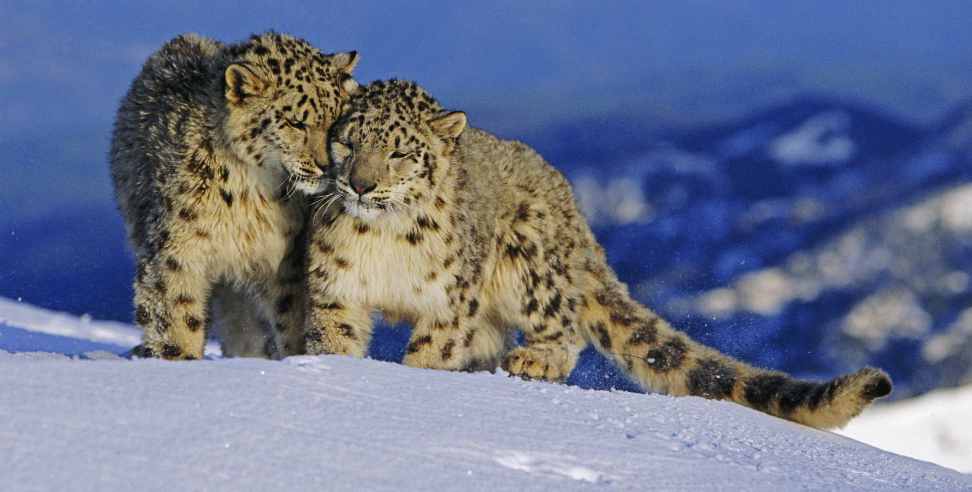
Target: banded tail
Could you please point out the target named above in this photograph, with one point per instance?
(662, 359)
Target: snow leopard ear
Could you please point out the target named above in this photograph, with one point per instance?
(242, 83)
(345, 62)
(449, 125)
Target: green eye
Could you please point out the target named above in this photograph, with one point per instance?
(399, 155)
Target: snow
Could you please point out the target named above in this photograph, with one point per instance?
(883, 246)
(65, 325)
(96, 421)
(949, 342)
(933, 427)
(621, 201)
(24, 327)
(819, 141)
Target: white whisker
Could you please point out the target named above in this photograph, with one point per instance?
(324, 203)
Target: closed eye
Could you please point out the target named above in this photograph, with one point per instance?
(400, 155)
(297, 124)
(341, 151)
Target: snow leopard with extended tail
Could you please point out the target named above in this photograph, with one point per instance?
(470, 237)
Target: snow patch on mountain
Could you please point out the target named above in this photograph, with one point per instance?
(821, 140)
(951, 340)
(619, 201)
(903, 245)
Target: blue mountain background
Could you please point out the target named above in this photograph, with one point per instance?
(790, 184)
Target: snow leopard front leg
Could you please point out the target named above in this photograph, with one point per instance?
(171, 298)
(445, 342)
(438, 345)
(335, 327)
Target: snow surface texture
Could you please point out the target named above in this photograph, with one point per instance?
(932, 427)
(99, 422)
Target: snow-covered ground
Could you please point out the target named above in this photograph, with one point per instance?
(99, 422)
(935, 427)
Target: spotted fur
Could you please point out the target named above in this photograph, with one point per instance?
(210, 145)
(469, 237)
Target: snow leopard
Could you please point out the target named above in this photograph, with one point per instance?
(213, 147)
(470, 238)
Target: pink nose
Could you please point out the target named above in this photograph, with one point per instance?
(362, 186)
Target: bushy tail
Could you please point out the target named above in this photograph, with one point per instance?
(663, 359)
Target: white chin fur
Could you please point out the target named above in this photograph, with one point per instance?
(309, 187)
(360, 211)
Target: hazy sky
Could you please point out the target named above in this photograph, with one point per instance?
(514, 64)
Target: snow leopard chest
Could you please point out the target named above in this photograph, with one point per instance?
(389, 269)
(249, 225)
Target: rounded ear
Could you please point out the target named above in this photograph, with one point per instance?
(345, 62)
(242, 82)
(449, 125)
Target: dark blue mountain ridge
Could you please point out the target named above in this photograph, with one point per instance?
(872, 125)
(616, 136)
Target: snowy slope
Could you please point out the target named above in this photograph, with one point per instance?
(933, 427)
(39, 322)
(27, 328)
(102, 423)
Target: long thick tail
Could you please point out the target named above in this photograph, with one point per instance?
(663, 359)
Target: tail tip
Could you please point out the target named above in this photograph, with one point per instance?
(879, 384)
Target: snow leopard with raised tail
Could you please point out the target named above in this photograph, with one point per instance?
(470, 237)
(212, 147)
